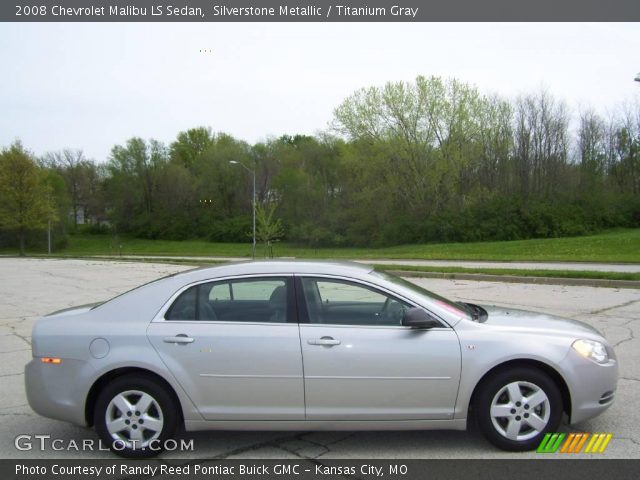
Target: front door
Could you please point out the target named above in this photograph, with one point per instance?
(361, 364)
(234, 346)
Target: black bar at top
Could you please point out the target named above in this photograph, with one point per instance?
(319, 10)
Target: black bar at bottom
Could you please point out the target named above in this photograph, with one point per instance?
(547, 467)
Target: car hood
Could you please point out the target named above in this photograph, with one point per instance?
(522, 319)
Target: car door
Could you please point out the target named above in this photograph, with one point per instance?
(360, 363)
(234, 346)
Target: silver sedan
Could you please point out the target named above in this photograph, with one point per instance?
(311, 346)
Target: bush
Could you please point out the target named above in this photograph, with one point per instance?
(235, 229)
(95, 229)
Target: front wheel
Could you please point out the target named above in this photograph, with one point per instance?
(516, 408)
(134, 416)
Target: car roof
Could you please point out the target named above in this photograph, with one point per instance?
(257, 267)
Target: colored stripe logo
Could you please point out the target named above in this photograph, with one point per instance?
(574, 443)
(550, 443)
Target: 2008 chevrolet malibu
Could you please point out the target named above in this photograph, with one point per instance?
(311, 346)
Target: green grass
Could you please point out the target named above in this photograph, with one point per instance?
(517, 272)
(613, 246)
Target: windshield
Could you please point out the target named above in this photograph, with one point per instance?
(453, 307)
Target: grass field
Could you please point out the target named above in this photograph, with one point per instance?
(614, 246)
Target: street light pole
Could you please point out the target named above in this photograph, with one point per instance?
(253, 172)
(253, 251)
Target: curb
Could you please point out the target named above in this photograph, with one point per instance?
(481, 277)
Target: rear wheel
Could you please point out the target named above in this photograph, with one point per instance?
(516, 408)
(134, 416)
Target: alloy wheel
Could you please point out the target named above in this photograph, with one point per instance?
(134, 418)
(520, 411)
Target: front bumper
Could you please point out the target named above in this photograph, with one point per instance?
(592, 385)
(57, 391)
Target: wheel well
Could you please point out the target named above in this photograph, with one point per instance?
(528, 363)
(104, 380)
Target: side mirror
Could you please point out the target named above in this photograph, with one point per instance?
(419, 318)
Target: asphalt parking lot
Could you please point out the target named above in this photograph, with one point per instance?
(30, 288)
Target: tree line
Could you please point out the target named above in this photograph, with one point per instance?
(408, 162)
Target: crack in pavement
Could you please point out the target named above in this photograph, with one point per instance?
(15, 406)
(632, 440)
(21, 337)
(327, 446)
(624, 340)
(13, 321)
(626, 304)
(252, 447)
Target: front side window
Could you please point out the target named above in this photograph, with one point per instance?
(457, 309)
(238, 300)
(339, 302)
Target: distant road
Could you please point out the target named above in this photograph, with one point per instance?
(576, 266)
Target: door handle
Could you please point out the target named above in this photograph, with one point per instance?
(326, 341)
(181, 339)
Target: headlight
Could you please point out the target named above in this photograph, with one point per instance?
(591, 349)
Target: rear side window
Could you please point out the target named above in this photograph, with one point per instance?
(239, 300)
(184, 308)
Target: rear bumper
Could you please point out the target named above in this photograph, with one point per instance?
(592, 385)
(55, 391)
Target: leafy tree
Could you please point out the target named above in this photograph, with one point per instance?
(542, 145)
(133, 184)
(269, 229)
(80, 177)
(175, 202)
(26, 203)
(228, 187)
(191, 145)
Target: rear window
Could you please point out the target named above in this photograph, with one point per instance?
(237, 300)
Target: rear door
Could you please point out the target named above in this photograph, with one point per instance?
(360, 363)
(234, 346)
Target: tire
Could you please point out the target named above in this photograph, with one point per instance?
(516, 408)
(134, 416)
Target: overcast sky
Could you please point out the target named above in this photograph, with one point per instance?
(91, 86)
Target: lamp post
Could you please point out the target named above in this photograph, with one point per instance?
(252, 172)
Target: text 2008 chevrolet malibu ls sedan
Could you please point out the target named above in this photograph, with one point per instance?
(311, 345)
